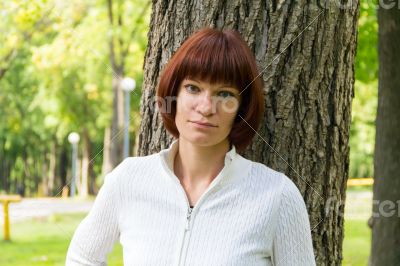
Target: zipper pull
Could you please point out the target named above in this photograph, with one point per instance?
(188, 218)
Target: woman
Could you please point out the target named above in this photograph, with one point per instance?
(199, 202)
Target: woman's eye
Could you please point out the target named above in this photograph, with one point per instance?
(225, 94)
(191, 88)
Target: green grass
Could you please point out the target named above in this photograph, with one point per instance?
(44, 242)
(359, 188)
(356, 244)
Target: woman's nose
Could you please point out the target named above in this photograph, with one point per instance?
(205, 105)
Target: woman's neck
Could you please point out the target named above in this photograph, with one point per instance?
(197, 166)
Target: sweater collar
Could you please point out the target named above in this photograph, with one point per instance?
(233, 162)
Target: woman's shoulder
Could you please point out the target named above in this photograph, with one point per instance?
(266, 174)
(265, 170)
(135, 160)
(276, 179)
(132, 166)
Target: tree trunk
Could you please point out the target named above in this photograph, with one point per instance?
(119, 49)
(92, 180)
(64, 161)
(116, 140)
(386, 204)
(26, 174)
(307, 52)
(2, 165)
(44, 178)
(84, 187)
(52, 167)
(117, 65)
(107, 166)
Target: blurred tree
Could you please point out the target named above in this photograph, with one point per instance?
(21, 130)
(122, 31)
(57, 81)
(26, 19)
(385, 221)
(307, 52)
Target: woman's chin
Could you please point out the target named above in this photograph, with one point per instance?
(201, 139)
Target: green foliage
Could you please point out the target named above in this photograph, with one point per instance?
(362, 131)
(57, 78)
(366, 62)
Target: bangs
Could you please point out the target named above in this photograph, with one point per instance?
(214, 60)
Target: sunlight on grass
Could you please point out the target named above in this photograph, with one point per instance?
(356, 244)
(357, 234)
(44, 241)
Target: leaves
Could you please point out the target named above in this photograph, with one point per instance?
(56, 74)
(364, 106)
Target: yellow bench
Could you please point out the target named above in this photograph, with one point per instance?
(5, 200)
(360, 182)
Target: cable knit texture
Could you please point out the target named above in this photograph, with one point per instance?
(249, 215)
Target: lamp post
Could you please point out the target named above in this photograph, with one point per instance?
(128, 85)
(73, 138)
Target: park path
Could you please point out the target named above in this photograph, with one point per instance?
(44, 207)
(358, 206)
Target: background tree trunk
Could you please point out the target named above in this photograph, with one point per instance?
(386, 208)
(106, 166)
(63, 163)
(2, 165)
(52, 167)
(84, 188)
(117, 65)
(44, 176)
(307, 52)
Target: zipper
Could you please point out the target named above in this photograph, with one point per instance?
(188, 216)
(186, 232)
(191, 213)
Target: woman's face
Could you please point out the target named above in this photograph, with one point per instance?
(205, 112)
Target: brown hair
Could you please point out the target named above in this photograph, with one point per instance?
(216, 56)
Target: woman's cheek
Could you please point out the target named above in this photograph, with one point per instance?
(185, 103)
(230, 106)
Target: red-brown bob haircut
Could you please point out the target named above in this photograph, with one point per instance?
(216, 56)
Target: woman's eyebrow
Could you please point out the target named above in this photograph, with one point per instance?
(227, 86)
(221, 86)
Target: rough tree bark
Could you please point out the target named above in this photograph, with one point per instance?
(306, 53)
(385, 221)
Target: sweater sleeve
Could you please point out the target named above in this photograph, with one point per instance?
(292, 244)
(96, 234)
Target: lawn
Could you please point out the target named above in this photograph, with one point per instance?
(356, 245)
(45, 241)
(357, 234)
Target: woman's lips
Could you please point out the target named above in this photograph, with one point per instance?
(204, 124)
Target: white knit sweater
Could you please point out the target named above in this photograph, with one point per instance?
(249, 215)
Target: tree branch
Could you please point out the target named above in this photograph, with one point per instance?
(111, 39)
